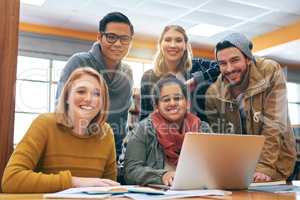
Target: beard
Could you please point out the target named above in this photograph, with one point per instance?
(233, 83)
(244, 76)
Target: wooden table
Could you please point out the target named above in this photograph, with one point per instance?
(237, 195)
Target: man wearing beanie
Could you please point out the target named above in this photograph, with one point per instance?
(250, 97)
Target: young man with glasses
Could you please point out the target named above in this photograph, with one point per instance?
(112, 45)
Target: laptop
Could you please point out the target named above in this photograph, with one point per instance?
(217, 161)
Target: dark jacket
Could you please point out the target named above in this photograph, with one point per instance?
(205, 72)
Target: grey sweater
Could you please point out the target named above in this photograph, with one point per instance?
(119, 87)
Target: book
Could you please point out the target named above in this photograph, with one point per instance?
(105, 190)
(101, 192)
(159, 186)
(281, 182)
(122, 190)
(145, 190)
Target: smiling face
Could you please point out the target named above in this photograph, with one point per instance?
(233, 65)
(84, 100)
(172, 104)
(116, 51)
(173, 46)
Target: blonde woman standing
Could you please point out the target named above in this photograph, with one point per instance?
(173, 56)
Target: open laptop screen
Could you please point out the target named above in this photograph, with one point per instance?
(217, 161)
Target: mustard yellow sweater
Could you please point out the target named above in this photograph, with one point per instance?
(50, 154)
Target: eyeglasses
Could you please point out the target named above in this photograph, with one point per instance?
(112, 38)
(168, 99)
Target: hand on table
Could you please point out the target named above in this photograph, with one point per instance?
(261, 177)
(168, 177)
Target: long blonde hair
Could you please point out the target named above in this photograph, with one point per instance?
(186, 60)
(61, 110)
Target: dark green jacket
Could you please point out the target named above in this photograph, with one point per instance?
(144, 157)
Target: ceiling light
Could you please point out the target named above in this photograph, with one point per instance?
(34, 2)
(205, 30)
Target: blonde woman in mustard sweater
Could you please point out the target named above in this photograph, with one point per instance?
(72, 147)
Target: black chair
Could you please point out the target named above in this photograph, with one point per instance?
(295, 174)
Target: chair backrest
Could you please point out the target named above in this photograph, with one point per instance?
(296, 129)
(296, 173)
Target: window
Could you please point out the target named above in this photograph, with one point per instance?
(35, 90)
(294, 102)
(138, 68)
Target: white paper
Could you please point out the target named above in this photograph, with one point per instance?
(75, 196)
(296, 183)
(87, 189)
(170, 194)
(173, 194)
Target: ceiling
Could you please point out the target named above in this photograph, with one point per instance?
(251, 17)
(287, 53)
